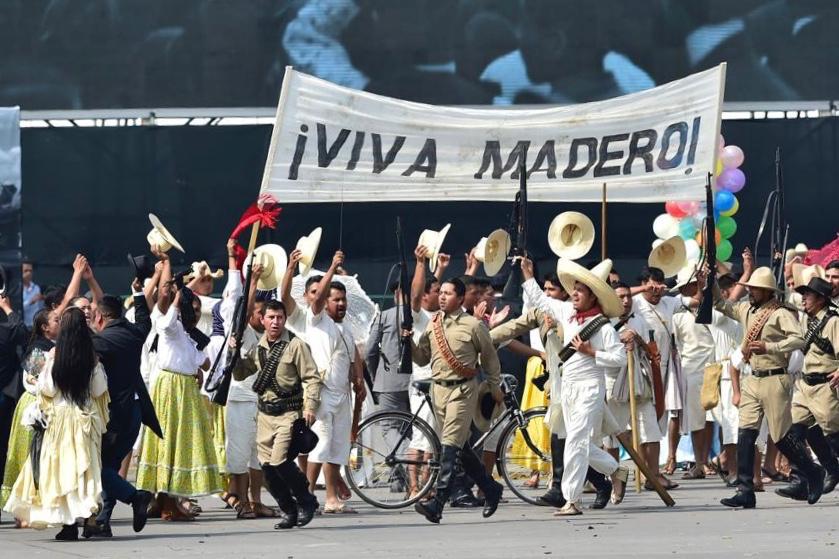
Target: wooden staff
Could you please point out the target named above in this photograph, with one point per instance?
(633, 412)
(626, 441)
(603, 225)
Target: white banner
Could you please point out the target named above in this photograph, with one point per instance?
(331, 143)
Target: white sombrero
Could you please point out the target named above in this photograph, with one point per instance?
(160, 237)
(308, 247)
(686, 275)
(669, 256)
(801, 274)
(202, 269)
(274, 262)
(433, 241)
(596, 279)
(571, 235)
(493, 251)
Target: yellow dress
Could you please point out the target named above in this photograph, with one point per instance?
(532, 397)
(70, 481)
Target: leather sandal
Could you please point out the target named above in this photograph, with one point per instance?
(244, 511)
(263, 511)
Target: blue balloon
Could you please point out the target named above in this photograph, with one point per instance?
(723, 201)
(687, 229)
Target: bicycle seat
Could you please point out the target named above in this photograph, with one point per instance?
(422, 385)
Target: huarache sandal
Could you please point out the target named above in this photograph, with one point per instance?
(670, 467)
(244, 511)
(264, 511)
(230, 500)
(340, 509)
(570, 509)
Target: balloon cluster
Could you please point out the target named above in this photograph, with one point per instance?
(685, 218)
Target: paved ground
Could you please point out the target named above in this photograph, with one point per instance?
(641, 526)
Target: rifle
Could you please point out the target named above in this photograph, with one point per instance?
(704, 312)
(240, 321)
(779, 230)
(512, 294)
(405, 362)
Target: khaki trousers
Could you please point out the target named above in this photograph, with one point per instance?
(770, 397)
(273, 436)
(817, 404)
(454, 407)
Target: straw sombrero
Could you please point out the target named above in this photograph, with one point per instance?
(596, 279)
(571, 235)
(274, 262)
(669, 256)
(493, 251)
(161, 237)
(308, 247)
(433, 241)
(487, 409)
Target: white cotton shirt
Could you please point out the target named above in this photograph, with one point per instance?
(659, 318)
(332, 349)
(637, 324)
(205, 319)
(696, 343)
(240, 390)
(297, 322)
(421, 321)
(606, 343)
(176, 351)
(728, 335)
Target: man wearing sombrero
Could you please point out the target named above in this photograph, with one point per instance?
(815, 401)
(772, 333)
(583, 393)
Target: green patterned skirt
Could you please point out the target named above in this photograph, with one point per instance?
(217, 414)
(184, 462)
(18, 453)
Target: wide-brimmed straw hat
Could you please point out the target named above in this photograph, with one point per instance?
(274, 262)
(493, 251)
(308, 247)
(669, 256)
(433, 241)
(596, 279)
(571, 235)
(160, 237)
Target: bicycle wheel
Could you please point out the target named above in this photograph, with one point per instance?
(391, 448)
(518, 462)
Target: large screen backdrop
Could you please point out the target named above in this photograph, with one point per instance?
(83, 54)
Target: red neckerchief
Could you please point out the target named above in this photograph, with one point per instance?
(581, 317)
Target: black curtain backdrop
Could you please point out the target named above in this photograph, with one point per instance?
(89, 190)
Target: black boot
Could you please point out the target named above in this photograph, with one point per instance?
(279, 490)
(491, 489)
(553, 497)
(140, 505)
(68, 533)
(827, 457)
(796, 489)
(792, 446)
(602, 486)
(298, 485)
(433, 509)
(833, 441)
(745, 496)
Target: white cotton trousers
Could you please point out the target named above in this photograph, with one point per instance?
(583, 406)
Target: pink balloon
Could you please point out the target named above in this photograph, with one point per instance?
(688, 208)
(732, 180)
(732, 157)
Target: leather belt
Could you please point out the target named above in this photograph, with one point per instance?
(768, 373)
(814, 379)
(279, 407)
(450, 383)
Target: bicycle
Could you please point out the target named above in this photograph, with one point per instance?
(384, 456)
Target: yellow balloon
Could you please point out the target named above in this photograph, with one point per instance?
(719, 168)
(733, 209)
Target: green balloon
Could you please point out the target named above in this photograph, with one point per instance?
(727, 226)
(724, 250)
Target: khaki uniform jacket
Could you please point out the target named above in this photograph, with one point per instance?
(470, 343)
(816, 360)
(296, 366)
(781, 333)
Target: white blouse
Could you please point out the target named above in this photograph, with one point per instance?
(176, 351)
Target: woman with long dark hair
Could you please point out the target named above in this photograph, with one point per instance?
(44, 333)
(72, 396)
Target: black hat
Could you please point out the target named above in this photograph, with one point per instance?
(818, 286)
(303, 439)
(142, 265)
